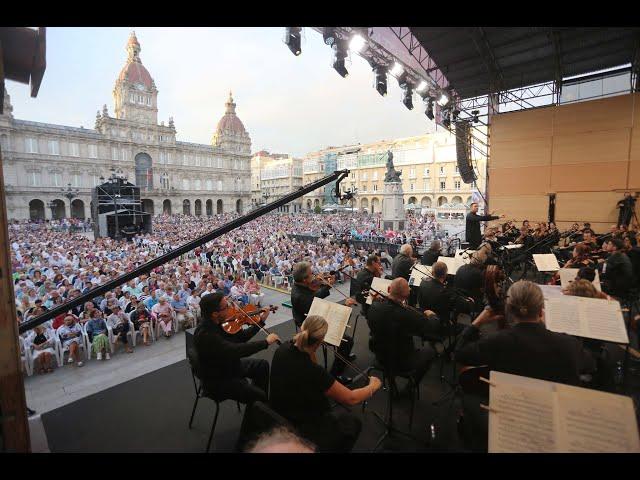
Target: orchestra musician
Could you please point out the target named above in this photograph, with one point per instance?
(434, 293)
(430, 256)
(472, 233)
(527, 349)
(392, 327)
(304, 290)
(402, 263)
(222, 356)
(364, 278)
(617, 271)
(301, 390)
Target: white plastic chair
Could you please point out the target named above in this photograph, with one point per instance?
(25, 356)
(88, 348)
(174, 322)
(131, 334)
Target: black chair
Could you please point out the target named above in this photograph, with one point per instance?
(203, 390)
(258, 419)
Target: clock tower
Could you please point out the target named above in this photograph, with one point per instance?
(135, 92)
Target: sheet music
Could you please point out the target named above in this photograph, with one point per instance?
(551, 290)
(527, 412)
(336, 315)
(524, 420)
(509, 247)
(586, 317)
(594, 421)
(568, 275)
(379, 284)
(418, 273)
(546, 262)
(453, 264)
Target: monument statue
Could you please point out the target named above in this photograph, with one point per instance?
(392, 174)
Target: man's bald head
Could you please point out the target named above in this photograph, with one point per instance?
(399, 288)
(406, 249)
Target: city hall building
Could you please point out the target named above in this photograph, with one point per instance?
(41, 160)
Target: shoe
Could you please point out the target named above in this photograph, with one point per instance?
(108, 356)
(70, 360)
(31, 412)
(80, 364)
(344, 380)
(99, 356)
(352, 357)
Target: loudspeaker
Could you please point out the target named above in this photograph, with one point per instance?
(463, 151)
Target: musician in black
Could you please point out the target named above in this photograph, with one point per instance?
(617, 271)
(627, 208)
(402, 263)
(301, 390)
(221, 356)
(472, 233)
(362, 282)
(434, 294)
(527, 349)
(392, 328)
(430, 256)
(304, 290)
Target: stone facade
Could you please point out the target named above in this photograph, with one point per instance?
(40, 159)
(430, 176)
(275, 175)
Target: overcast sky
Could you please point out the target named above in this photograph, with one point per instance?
(288, 104)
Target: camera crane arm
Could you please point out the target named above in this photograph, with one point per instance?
(338, 176)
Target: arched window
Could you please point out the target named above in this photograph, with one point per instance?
(144, 171)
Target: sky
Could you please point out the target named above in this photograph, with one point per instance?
(288, 104)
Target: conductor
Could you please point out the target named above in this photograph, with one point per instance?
(472, 234)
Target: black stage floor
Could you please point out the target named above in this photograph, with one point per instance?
(150, 413)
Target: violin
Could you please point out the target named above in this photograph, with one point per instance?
(235, 318)
(320, 280)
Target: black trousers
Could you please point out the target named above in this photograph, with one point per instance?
(240, 389)
(334, 431)
(344, 350)
(121, 328)
(420, 361)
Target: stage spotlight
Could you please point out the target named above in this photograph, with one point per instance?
(329, 36)
(397, 70)
(407, 96)
(357, 43)
(429, 111)
(475, 114)
(443, 100)
(421, 87)
(339, 54)
(292, 39)
(380, 72)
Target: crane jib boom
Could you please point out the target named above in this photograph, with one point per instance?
(338, 176)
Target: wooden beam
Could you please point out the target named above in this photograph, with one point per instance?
(13, 408)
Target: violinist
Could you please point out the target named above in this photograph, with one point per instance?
(222, 356)
(362, 281)
(589, 240)
(617, 271)
(304, 290)
(402, 263)
(392, 326)
(435, 294)
(301, 390)
(430, 256)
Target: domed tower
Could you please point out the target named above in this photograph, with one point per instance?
(135, 93)
(230, 133)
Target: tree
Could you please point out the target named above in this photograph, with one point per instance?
(317, 209)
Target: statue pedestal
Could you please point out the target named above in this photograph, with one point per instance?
(393, 215)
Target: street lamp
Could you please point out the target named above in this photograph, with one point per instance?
(70, 193)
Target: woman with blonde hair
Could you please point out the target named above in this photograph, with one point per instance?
(301, 390)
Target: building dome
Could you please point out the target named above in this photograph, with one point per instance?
(134, 71)
(230, 123)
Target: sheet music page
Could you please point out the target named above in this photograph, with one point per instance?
(418, 273)
(562, 315)
(567, 276)
(551, 291)
(546, 262)
(509, 247)
(452, 264)
(603, 320)
(591, 421)
(523, 418)
(336, 315)
(379, 284)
